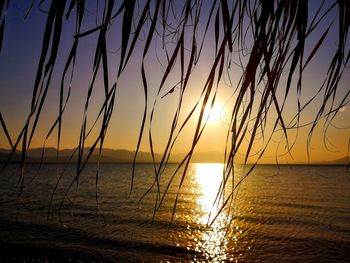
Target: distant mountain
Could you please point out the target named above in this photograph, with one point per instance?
(342, 161)
(125, 156)
(107, 155)
(200, 157)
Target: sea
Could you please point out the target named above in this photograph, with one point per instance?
(284, 213)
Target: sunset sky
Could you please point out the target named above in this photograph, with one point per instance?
(18, 64)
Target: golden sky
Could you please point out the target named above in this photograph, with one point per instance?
(19, 57)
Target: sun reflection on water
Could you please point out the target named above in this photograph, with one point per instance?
(208, 176)
(213, 243)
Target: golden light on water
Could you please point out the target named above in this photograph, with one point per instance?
(208, 176)
(213, 243)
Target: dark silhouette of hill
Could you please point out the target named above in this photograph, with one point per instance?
(107, 156)
(125, 156)
(342, 161)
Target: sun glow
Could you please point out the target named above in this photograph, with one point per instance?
(214, 114)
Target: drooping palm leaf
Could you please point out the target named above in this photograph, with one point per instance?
(266, 45)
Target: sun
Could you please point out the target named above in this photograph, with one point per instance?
(215, 113)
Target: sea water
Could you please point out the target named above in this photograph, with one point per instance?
(285, 214)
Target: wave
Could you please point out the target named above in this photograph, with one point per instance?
(21, 241)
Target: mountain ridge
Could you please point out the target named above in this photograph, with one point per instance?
(108, 155)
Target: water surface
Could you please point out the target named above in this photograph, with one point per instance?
(291, 214)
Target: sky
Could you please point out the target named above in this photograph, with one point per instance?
(18, 64)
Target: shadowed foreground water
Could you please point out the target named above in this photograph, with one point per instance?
(295, 214)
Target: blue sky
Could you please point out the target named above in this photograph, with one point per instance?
(18, 65)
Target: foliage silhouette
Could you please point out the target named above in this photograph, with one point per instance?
(269, 40)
